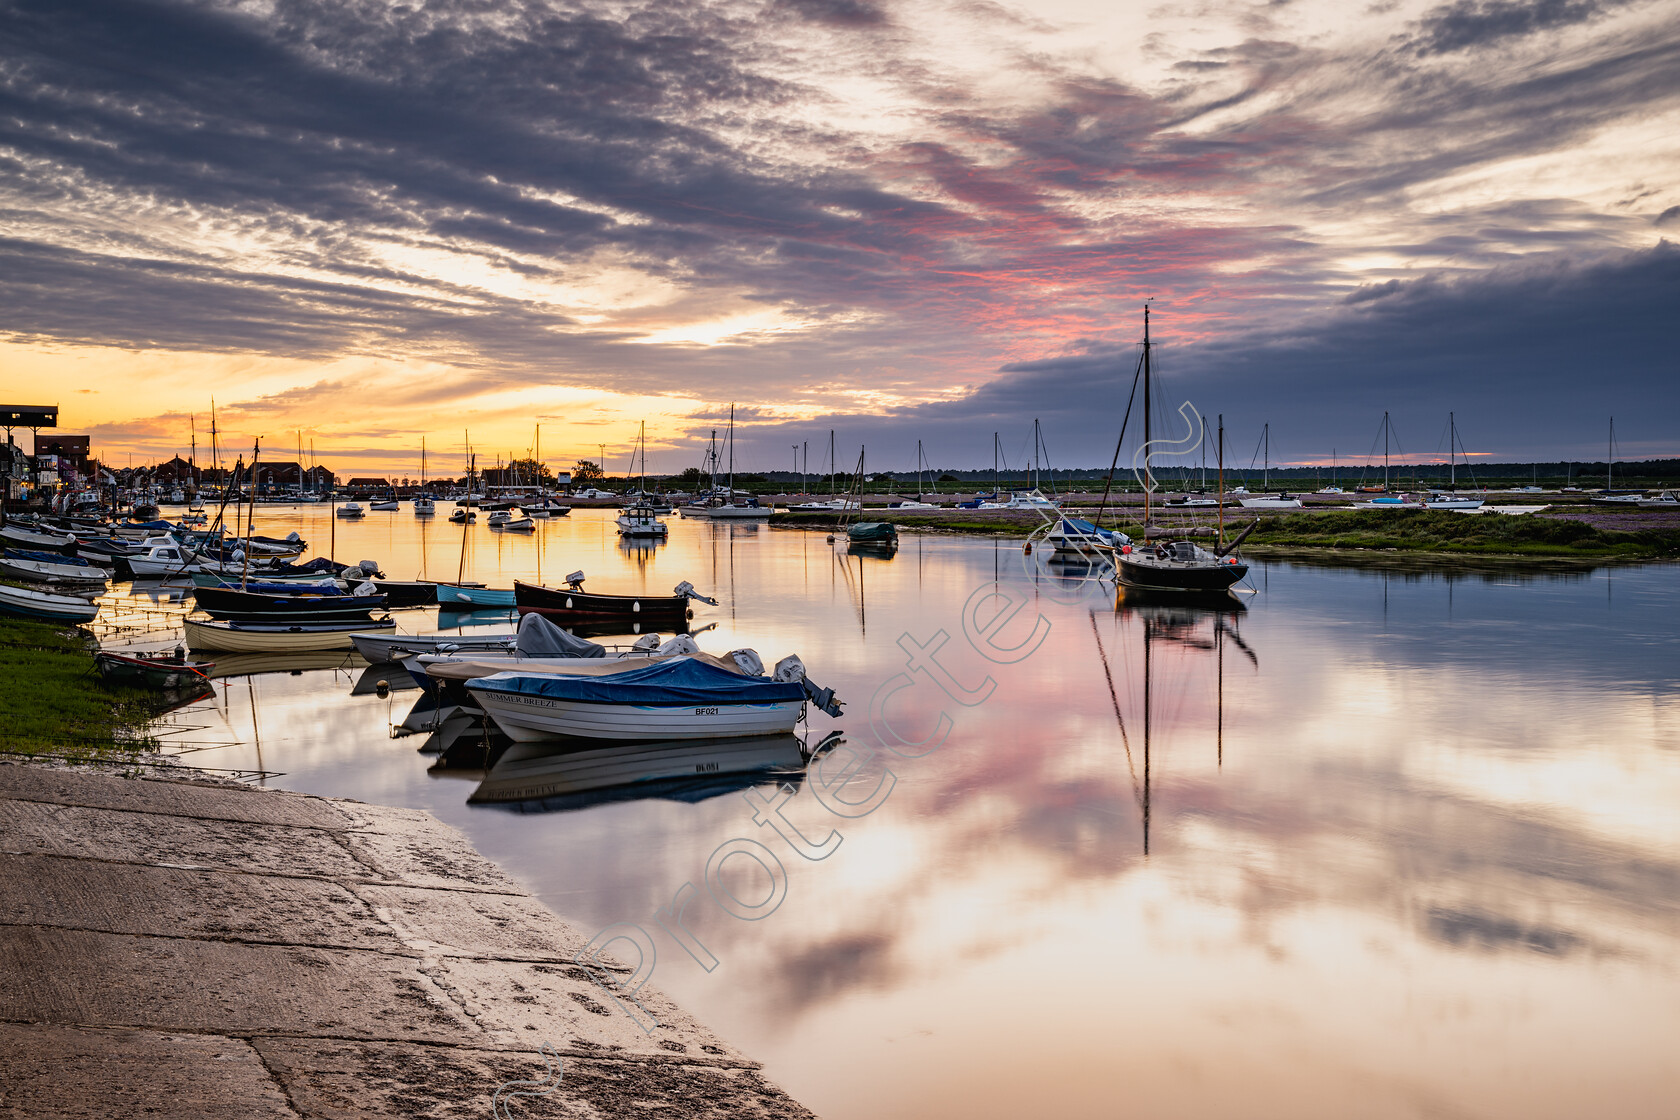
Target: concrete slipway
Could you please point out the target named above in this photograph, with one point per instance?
(179, 948)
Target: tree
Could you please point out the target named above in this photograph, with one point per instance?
(585, 472)
(527, 469)
(690, 480)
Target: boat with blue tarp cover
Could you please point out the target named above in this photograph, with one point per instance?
(696, 696)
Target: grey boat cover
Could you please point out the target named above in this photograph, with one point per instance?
(538, 637)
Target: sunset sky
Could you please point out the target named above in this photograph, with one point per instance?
(372, 222)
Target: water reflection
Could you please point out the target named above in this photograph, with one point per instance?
(1411, 839)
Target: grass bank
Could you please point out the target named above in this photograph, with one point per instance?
(1418, 531)
(1482, 534)
(51, 699)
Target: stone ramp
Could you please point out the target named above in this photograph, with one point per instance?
(189, 949)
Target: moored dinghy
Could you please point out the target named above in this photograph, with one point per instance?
(151, 670)
(695, 696)
(45, 605)
(272, 637)
(640, 612)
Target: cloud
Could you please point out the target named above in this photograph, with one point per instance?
(1473, 23)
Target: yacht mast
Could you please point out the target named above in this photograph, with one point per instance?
(1385, 451)
(1610, 456)
(732, 452)
(1148, 473)
(1452, 458)
(1266, 463)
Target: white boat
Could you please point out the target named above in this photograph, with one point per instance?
(162, 560)
(516, 525)
(640, 521)
(380, 646)
(833, 505)
(24, 538)
(385, 507)
(729, 510)
(44, 572)
(276, 637)
(499, 517)
(46, 605)
(1024, 499)
(1390, 501)
(1272, 501)
(349, 509)
(1451, 501)
(1665, 500)
(424, 507)
(696, 696)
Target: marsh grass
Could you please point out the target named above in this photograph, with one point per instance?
(52, 701)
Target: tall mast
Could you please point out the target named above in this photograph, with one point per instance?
(1266, 463)
(422, 462)
(994, 466)
(1385, 452)
(833, 468)
(1452, 455)
(1221, 480)
(1610, 455)
(731, 452)
(1148, 473)
(1035, 452)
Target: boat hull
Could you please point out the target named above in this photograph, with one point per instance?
(658, 612)
(232, 604)
(45, 605)
(380, 647)
(237, 637)
(530, 719)
(473, 598)
(1170, 575)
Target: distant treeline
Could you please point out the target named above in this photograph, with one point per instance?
(1586, 474)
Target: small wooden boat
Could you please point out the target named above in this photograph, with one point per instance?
(456, 597)
(519, 525)
(151, 670)
(306, 604)
(46, 605)
(407, 592)
(272, 637)
(638, 612)
(385, 507)
(380, 646)
(42, 571)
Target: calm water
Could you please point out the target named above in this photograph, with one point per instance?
(1374, 846)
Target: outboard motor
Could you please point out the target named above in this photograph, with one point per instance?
(575, 581)
(368, 568)
(685, 590)
(366, 588)
(748, 660)
(790, 669)
(682, 643)
(646, 643)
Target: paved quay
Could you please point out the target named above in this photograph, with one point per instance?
(179, 948)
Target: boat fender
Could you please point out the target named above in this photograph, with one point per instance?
(749, 661)
(1125, 549)
(636, 606)
(1026, 549)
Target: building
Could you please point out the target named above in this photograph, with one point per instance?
(176, 472)
(71, 451)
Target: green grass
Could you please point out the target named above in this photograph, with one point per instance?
(1487, 534)
(53, 701)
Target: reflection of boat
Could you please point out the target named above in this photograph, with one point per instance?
(551, 777)
(270, 637)
(394, 677)
(881, 550)
(456, 615)
(299, 661)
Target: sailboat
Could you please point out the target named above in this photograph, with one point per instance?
(920, 491)
(1174, 566)
(1610, 496)
(1266, 499)
(1453, 500)
(727, 504)
(836, 502)
(423, 504)
(639, 520)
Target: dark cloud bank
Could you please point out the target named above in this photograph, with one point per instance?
(532, 137)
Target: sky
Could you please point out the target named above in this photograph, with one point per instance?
(356, 226)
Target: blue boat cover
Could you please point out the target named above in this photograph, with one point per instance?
(44, 557)
(679, 681)
(1077, 525)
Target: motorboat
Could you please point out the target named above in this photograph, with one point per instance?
(276, 637)
(1440, 500)
(516, 525)
(161, 560)
(637, 612)
(350, 510)
(833, 505)
(46, 605)
(462, 516)
(1389, 501)
(1665, 500)
(1076, 535)
(1024, 499)
(1623, 499)
(424, 507)
(641, 521)
(1271, 501)
(499, 518)
(696, 696)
